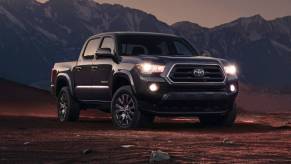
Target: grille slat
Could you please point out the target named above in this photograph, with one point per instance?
(185, 73)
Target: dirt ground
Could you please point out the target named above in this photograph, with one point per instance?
(254, 139)
(30, 133)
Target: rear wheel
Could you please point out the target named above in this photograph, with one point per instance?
(222, 120)
(125, 111)
(68, 107)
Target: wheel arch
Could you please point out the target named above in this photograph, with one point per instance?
(63, 79)
(122, 78)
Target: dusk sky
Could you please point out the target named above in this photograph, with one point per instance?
(208, 13)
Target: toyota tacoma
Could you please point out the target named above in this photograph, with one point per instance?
(136, 76)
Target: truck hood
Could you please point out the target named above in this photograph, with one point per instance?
(175, 59)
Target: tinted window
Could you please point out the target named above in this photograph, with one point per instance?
(181, 48)
(154, 45)
(108, 42)
(91, 48)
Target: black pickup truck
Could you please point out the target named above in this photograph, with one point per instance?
(137, 76)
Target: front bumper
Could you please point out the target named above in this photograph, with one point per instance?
(196, 96)
(184, 99)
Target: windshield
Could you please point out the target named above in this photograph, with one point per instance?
(154, 45)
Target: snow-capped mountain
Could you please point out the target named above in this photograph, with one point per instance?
(35, 35)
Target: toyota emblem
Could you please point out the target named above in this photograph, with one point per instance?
(198, 72)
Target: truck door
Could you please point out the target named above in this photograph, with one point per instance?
(83, 71)
(102, 70)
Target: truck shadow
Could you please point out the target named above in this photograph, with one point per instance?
(105, 123)
(168, 126)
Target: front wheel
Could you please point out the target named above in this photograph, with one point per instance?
(125, 111)
(222, 120)
(68, 108)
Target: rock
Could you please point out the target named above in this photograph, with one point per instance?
(127, 146)
(281, 125)
(248, 121)
(26, 143)
(86, 151)
(157, 156)
(227, 141)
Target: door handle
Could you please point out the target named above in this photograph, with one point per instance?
(94, 68)
(78, 68)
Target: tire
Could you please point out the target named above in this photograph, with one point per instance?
(68, 107)
(226, 120)
(125, 110)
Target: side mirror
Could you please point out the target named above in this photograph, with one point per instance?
(104, 52)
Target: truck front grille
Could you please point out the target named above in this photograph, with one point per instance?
(184, 73)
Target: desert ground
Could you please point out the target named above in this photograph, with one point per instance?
(30, 133)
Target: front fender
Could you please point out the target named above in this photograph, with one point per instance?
(66, 77)
(125, 74)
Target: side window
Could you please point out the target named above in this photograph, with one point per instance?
(182, 49)
(91, 48)
(108, 42)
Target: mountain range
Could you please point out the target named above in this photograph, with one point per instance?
(261, 48)
(33, 36)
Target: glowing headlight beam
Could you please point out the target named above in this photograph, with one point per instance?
(148, 68)
(230, 69)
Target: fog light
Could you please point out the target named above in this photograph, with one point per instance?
(154, 87)
(232, 88)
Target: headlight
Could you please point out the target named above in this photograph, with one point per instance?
(148, 68)
(230, 69)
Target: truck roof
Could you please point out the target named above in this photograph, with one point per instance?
(134, 33)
